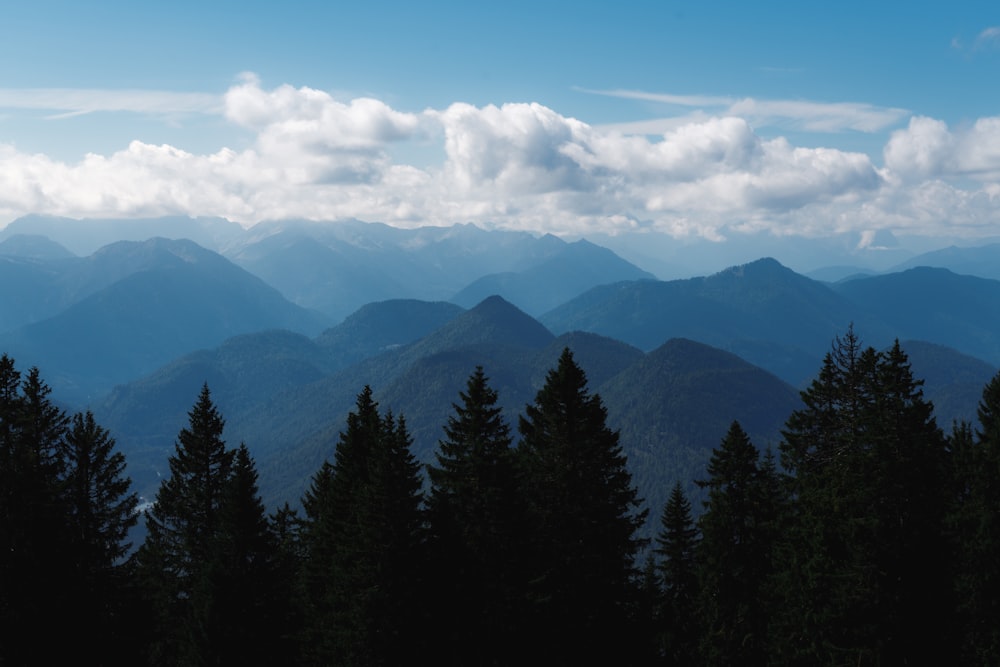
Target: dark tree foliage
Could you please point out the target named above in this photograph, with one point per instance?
(976, 522)
(583, 517)
(238, 591)
(677, 612)
(877, 541)
(735, 553)
(363, 541)
(65, 511)
(101, 510)
(315, 578)
(870, 472)
(475, 532)
(36, 564)
(286, 609)
(209, 566)
(177, 560)
(102, 507)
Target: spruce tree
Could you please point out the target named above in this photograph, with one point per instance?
(287, 607)
(340, 578)
(101, 512)
(735, 554)
(976, 516)
(102, 506)
(238, 590)
(36, 555)
(869, 469)
(914, 477)
(363, 542)
(315, 575)
(583, 516)
(677, 617)
(182, 527)
(475, 519)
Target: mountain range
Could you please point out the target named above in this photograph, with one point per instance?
(288, 321)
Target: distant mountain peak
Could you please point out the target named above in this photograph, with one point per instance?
(758, 267)
(497, 306)
(159, 247)
(765, 269)
(33, 246)
(494, 320)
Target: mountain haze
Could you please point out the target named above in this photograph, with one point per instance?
(85, 236)
(676, 404)
(33, 246)
(982, 261)
(344, 265)
(775, 316)
(183, 298)
(936, 305)
(135, 328)
(654, 398)
(571, 271)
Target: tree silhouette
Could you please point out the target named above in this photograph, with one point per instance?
(476, 527)
(583, 514)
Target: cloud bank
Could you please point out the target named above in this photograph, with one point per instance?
(525, 166)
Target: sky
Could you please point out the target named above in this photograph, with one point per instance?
(707, 120)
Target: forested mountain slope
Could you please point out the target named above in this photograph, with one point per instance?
(658, 400)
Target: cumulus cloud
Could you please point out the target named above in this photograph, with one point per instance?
(920, 151)
(318, 138)
(927, 148)
(526, 166)
(313, 118)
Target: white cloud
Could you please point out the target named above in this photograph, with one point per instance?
(804, 115)
(927, 148)
(665, 98)
(526, 166)
(988, 37)
(313, 118)
(979, 150)
(514, 149)
(817, 116)
(920, 151)
(65, 102)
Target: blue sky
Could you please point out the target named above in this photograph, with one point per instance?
(706, 120)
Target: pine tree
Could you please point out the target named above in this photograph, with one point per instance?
(36, 555)
(913, 478)
(182, 527)
(976, 515)
(318, 543)
(101, 512)
(338, 575)
(735, 553)
(677, 544)
(103, 509)
(475, 521)
(583, 516)
(287, 609)
(363, 541)
(238, 587)
(14, 594)
(869, 470)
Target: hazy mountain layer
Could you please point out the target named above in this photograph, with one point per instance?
(656, 399)
(675, 361)
(174, 297)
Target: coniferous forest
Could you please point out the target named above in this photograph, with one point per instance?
(870, 536)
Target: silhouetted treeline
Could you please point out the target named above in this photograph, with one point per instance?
(869, 537)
